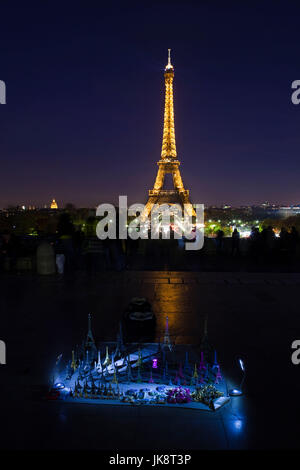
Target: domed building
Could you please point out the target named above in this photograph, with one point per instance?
(53, 204)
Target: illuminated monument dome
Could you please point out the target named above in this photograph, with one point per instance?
(169, 164)
(54, 204)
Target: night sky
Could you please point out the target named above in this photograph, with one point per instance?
(85, 95)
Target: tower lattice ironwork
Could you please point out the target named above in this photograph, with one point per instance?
(168, 162)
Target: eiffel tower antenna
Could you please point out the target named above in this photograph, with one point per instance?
(168, 163)
(169, 60)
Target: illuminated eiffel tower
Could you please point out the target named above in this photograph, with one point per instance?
(169, 162)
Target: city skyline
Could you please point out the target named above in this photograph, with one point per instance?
(71, 205)
(84, 114)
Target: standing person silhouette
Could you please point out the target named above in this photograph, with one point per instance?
(235, 246)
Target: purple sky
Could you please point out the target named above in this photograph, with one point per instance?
(84, 114)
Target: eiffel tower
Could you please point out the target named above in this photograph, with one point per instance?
(169, 162)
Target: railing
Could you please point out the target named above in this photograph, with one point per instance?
(166, 192)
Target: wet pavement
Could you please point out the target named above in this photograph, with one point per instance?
(255, 315)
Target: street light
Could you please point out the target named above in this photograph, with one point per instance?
(236, 392)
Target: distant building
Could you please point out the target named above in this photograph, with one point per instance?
(53, 204)
(288, 211)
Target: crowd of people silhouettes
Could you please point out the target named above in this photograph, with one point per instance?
(75, 250)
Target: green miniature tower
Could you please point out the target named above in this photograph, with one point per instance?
(115, 379)
(139, 362)
(73, 363)
(194, 379)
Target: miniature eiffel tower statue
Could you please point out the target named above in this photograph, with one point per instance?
(73, 362)
(89, 337)
(177, 380)
(87, 361)
(215, 364)
(114, 380)
(139, 364)
(218, 375)
(205, 346)
(107, 360)
(77, 356)
(99, 364)
(207, 375)
(187, 368)
(120, 349)
(129, 372)
(194, 379)
(90, 342)
(202, 365)
(167, 342)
